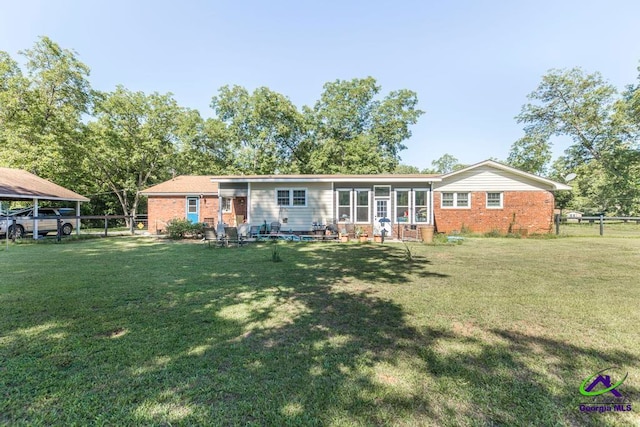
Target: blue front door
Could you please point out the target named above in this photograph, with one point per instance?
(193, 209)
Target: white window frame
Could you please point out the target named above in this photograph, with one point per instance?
(408, 206)
(290, 190)
(455, 200)
(414, 217)
(224, 204)
(356, 205)
(338, 205)
(189, 199)
(501, 194)
(388, 196)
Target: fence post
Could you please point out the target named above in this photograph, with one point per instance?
(601, 224)
(105, 226)
(132, 220)
(59, 228)
(557, 221)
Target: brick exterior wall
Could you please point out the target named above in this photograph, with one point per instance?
(522, 210)
(165, 208)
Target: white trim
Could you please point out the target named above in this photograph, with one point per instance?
(222, 203)
(408, 206)
(455, 200)
(338, 205)
(382, 186)
(486, 195)
(555, 185)
(328, 178)
(291, 190)
(248, 203)
(355, 205)
(429, 206)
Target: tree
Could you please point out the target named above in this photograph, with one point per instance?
(351, 131)
(256, 133)
(445, 164)
(41, 111)
(132, 143)
(587, 110)
(531, 153)
(406, 169)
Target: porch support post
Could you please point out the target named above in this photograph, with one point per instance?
(77, 219)
(35, 221)
(248, 207)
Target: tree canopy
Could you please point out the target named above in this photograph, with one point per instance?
(603, 128)
(111, 145)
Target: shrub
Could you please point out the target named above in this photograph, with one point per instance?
(493, 233)
(179, 228)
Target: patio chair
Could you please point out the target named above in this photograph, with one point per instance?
(232, 236)
(254, 231)
(210, 235)
(274, 229)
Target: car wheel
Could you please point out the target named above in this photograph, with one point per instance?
(18, 233)
(67, 229)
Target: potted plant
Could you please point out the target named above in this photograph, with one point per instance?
(361, 235)
(377, 234)
(343, 235)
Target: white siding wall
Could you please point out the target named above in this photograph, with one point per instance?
(264, 207)
(486, 178)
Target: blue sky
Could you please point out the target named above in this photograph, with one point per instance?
(472, 63)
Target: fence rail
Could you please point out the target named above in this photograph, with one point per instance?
(628, 226)
(15, 226)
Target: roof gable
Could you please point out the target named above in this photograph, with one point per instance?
(185, 184)
(505, 170)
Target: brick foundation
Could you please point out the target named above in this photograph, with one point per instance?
(529, 211)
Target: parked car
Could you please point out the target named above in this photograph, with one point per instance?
(47, 221)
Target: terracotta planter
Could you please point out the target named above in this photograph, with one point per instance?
(426, 234)
(344, 239)
(377, 239)
(363, 239)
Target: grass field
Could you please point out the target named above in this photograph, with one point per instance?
(133, 331)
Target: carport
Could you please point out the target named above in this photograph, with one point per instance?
(18, 184)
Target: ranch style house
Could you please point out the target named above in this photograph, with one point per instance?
(487, 196)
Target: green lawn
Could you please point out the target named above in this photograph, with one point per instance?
(133, 331)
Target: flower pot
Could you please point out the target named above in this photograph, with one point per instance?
(377, 239)
(363, 239)
(344, 239)
(426, 234)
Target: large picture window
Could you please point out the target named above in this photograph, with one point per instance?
(291, 197)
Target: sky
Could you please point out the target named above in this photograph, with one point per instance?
(471, 63)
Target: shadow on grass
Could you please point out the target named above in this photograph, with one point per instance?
(225, 336)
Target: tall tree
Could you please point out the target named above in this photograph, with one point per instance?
(256, 132)
(531, 153)
(133, 142)
(586, 109)
(352, 131)
(41, 111)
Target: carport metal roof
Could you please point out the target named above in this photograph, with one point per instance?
(18, 184)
